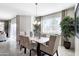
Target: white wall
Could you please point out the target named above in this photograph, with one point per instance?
(23, 24)
(76, 46)
(32, 21)
(17, 27)
(70, 12)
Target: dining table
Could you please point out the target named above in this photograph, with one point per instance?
(41, 40)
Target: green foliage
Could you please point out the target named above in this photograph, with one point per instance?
(67, 27)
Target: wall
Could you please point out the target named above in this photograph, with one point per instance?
(17, 27)
(32, 21)
(76, 46)
(70, 12)
(23, 24)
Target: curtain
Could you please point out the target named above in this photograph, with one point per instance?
(6, 27)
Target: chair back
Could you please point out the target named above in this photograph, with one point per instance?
(56, 43)
(52, 40)
(24, 41)
(53, 43)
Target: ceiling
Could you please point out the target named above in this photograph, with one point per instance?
(10, 10)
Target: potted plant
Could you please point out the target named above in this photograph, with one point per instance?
(67, 27)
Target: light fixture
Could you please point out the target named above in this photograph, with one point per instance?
(35, 22)
(36, 8)
(39, 23)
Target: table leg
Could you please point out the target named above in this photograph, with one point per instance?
(38, 49)
(20, 47)
(24, 50)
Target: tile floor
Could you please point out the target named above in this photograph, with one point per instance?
(9, 48)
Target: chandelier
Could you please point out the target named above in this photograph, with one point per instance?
(36, 22)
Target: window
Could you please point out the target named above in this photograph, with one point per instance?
(51, 24)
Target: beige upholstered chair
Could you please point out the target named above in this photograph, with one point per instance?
(52, 46)
(25, 43)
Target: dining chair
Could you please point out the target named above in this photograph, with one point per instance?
(52, 46)
(25, 43)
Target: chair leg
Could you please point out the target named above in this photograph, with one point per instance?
(25, 50)
(57, 52)
(30, 52)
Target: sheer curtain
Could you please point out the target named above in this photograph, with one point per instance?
(13, 28)
(51, 24)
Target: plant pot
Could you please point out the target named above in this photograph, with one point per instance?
(67, 44)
